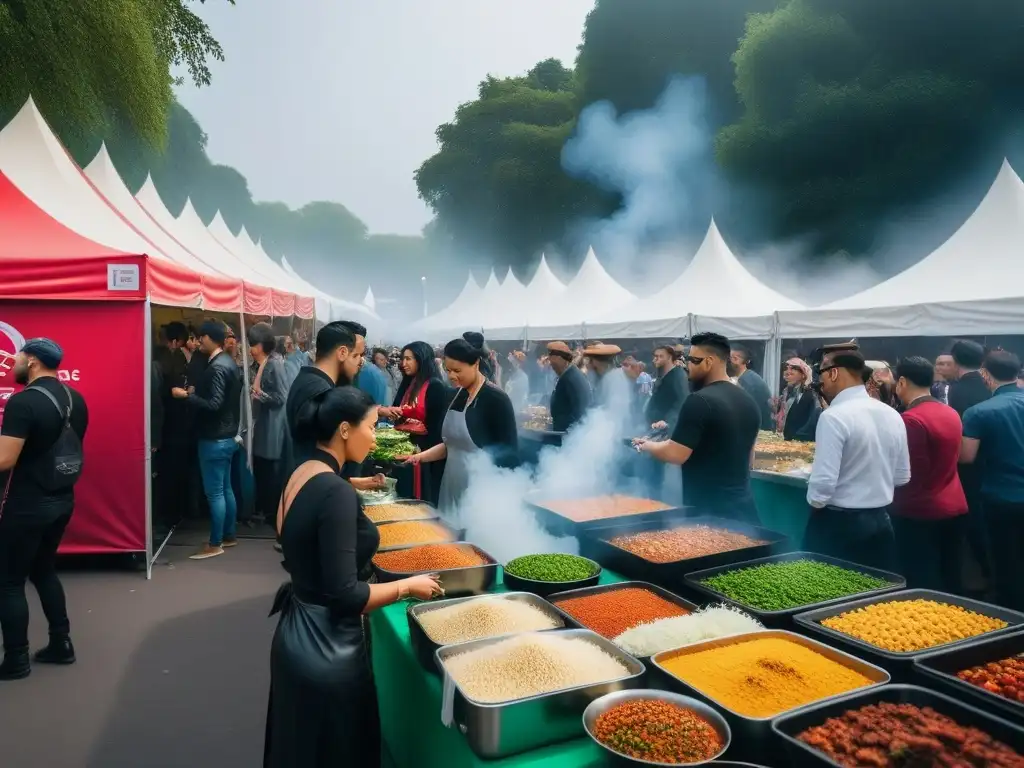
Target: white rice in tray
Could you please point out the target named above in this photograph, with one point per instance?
(484, 617)
(706, 624)
(529, 665)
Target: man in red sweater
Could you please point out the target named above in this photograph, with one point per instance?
(929, 514)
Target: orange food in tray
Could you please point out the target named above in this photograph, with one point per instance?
(602, 507)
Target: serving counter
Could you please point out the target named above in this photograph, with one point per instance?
(410, 708)
(781, 503)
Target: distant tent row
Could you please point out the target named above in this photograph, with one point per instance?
(971, 285)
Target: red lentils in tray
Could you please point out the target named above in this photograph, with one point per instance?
(612, 613)
(682, 543)
(888, 735)
(430, 557)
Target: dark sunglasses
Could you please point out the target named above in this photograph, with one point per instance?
(794, 368)
(694, 360)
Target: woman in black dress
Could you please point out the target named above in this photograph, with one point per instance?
(480, 418)
(323, 706)
(419, 409)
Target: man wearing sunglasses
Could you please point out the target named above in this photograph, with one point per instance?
(714, 437)
(860, 458)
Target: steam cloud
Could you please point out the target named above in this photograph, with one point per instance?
(494, 511)
(659, 160)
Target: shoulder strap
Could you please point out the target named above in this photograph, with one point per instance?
(65, 417)
(296, 483)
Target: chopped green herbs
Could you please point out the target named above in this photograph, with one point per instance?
(779, 586)
(554, 568)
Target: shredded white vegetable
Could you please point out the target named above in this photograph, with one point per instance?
(705, 624)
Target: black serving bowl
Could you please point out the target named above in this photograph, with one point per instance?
(544, 588)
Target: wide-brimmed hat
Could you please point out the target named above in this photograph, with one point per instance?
(600, 349)
(560, 347)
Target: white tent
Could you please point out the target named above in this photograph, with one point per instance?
(542, 291)
(714, 293)
(508, 302)
(590, 295)
(334, 308)
(369, 301)
(220, 231)
(451, 317)
(972, 284)
(39, 166)
(104, 176)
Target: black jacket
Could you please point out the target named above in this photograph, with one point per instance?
(667, 398)
(217, 399)
(491, 421)
(802, 419)
(969, 390)
(570, 400)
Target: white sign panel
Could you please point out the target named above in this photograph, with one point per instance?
(123, 277)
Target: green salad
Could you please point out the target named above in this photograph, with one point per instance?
(391, 443)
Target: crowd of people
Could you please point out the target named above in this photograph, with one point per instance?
(917, 468)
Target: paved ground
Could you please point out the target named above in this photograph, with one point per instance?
(171, 673)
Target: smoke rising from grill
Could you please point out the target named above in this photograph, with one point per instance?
(494, 510)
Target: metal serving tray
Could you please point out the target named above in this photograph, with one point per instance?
(425, 649)
(595, 543)
(603, 588)
(789, 726)
(455, 534)
(500, 730)
(754, 733)
(938, 670)
(901, 664)
(781, 618)
(470, 580)
(605, 703)
(434, 515)
(560, 525)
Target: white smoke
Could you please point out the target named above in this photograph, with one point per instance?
(659, 160)
(494, 509)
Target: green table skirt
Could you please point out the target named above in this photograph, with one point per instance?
(410, 708)
(782, 506)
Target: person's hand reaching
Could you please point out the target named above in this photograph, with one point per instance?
(423, 587)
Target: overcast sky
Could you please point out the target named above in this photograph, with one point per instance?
(339, 99)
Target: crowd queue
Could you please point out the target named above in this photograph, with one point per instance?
(916, 468)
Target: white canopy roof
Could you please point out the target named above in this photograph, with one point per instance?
(38, 165)
(591, 294)
(332, 308)
(369, 301)
(508, 301)
(972, 284)
(220, 231)
(451, 316)
(102, 173)
(715, 288)
(542, 290)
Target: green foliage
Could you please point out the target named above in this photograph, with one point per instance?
(854, 108)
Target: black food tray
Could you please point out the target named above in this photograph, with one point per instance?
(595, 544)
(664, 594)
(779, 618)
(560, 525)
(544, 588)
(938, 670)
(788, 727)
(895, 662)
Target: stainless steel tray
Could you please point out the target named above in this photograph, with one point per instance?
(500, 730)
(756, 731)
(406, 503)
(605, 703)
(425, 649)
(454, 534)
(470, 580)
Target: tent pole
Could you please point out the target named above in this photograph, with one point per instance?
(246, 400)
(147, 376)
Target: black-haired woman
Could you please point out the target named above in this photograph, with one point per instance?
(480, 418)
(323, 706)
(419, 409)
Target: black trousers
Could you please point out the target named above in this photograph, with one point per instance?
(931, 552)
(1005, 522)
(28, 552)
(267, 476)
(862, 536)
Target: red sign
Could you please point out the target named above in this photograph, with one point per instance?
(103, 360)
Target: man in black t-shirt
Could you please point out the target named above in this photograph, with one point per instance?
(714, 436)
(33, 517)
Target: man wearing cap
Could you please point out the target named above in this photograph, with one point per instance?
(609, 382)
(571, 396)
(46, 416)
(216, 401)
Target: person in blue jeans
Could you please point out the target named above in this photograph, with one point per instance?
(216, 401)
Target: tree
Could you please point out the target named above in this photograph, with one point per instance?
(496, 183)
(632, 48)
(856, 108)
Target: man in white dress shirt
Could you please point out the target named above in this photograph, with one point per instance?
(860, 457)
